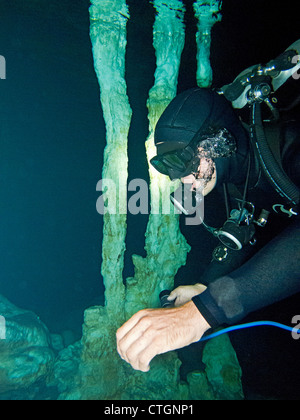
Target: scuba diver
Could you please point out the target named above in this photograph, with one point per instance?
(201, 141)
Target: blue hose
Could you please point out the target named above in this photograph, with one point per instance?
(249, 325)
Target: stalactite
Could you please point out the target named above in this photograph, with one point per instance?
(100, 372)
(100, 364)
(108, 35)
(208, 12)
(165, 245)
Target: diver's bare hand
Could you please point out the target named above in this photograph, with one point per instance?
(184, 294)
(156, 331)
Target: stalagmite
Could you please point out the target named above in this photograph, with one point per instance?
(208, 12)
(108, 35)
(165, 245)
(102, 374)
(98, 372)
(100, 364)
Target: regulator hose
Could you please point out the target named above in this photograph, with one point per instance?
(274, 172)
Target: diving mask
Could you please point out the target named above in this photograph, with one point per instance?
(176, 164)
(211, 143)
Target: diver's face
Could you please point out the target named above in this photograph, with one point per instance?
(198, 182)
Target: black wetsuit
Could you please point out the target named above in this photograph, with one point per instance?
(273, 274)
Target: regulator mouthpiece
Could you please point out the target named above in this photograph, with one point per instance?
(189, 202)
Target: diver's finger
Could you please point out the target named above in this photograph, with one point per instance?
(142, 351)
(145, 358)
(122, 331)
(173, 295)
(135, 328)
(126, 343)
(134, 355)
(180, 301)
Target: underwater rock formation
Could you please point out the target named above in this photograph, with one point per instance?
(221, 379)
(93, 369)
(223, 370)
(108, 34)
(102, 374)
(208, 13)
(165, 246)
(25, 353)
(101, 370)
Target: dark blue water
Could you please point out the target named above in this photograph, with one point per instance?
(52, 137)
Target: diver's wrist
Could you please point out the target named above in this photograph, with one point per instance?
(195, 317)
(200, 288)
